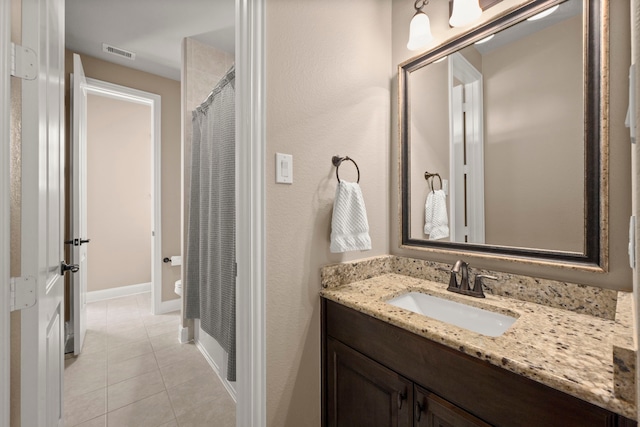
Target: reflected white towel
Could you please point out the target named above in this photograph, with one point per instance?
(349, 226)
(436, 222)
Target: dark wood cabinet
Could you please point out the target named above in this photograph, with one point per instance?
(365, 393)
(433, 411)
(376, 374)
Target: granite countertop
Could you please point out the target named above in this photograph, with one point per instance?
(569, 351)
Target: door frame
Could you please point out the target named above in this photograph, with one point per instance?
(250, 30)
(250, 216)
(154, 101)
(472, 198)
(5, 67)
(76, 215)
(635, 181)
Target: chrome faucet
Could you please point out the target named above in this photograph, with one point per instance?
(463, 287)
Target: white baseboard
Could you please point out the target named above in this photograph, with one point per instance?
(230, 389)
(121, 291)
(169, 306)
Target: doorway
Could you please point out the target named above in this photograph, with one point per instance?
(466, 148)
(250, 20)
(131, 238)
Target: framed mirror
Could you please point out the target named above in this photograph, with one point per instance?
(503, 138)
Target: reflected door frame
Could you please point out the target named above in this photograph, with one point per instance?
(466, 151)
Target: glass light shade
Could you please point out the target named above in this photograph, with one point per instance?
(419, 31)
(544, 13)
(486, 39)
(464, 12)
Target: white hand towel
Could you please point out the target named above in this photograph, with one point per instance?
(428, 213)
(436, 222)
(349, 226)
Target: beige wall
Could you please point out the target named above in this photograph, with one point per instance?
(619, 275)
(328, 93)
(169, 90)
(118, 192)
(203, 67)
(429, 113)
(534, 140)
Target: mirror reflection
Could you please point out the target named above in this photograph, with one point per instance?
(496, 139)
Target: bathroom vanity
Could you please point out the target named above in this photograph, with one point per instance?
(387, 366)
(569, 358)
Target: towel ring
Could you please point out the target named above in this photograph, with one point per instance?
(428, 175)
(337, 161)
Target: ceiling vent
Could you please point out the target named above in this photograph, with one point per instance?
(118, 52)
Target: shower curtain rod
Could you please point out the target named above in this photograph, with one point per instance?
(226, 79)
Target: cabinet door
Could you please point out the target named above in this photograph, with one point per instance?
(363, 393)
(433, 411)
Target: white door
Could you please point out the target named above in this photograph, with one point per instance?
(466, 151)
(78, 167)
(5, 178)
(42, 324)
(459, 229)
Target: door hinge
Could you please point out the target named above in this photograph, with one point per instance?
(630, 120)
(24, 62)
(23, 292)
(235, 269)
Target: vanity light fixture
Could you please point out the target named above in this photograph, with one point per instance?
(464, 12)
(420, 27)
(544, 13)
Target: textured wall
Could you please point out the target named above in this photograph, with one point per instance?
(118, 192)
(328, 93)
(619, 275)
(169, 90)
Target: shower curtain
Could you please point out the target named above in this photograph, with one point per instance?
(210, 276)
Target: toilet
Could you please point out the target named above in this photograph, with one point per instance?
(178, 287)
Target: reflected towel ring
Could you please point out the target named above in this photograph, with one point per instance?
(428, 175)
(337, 161)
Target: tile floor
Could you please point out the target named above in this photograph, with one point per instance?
(133, 372)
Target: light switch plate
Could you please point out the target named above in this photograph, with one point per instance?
(284, 168)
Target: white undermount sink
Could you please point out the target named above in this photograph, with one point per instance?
(475, 319)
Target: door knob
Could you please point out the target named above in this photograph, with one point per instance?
(84, 241)
(64, 267)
